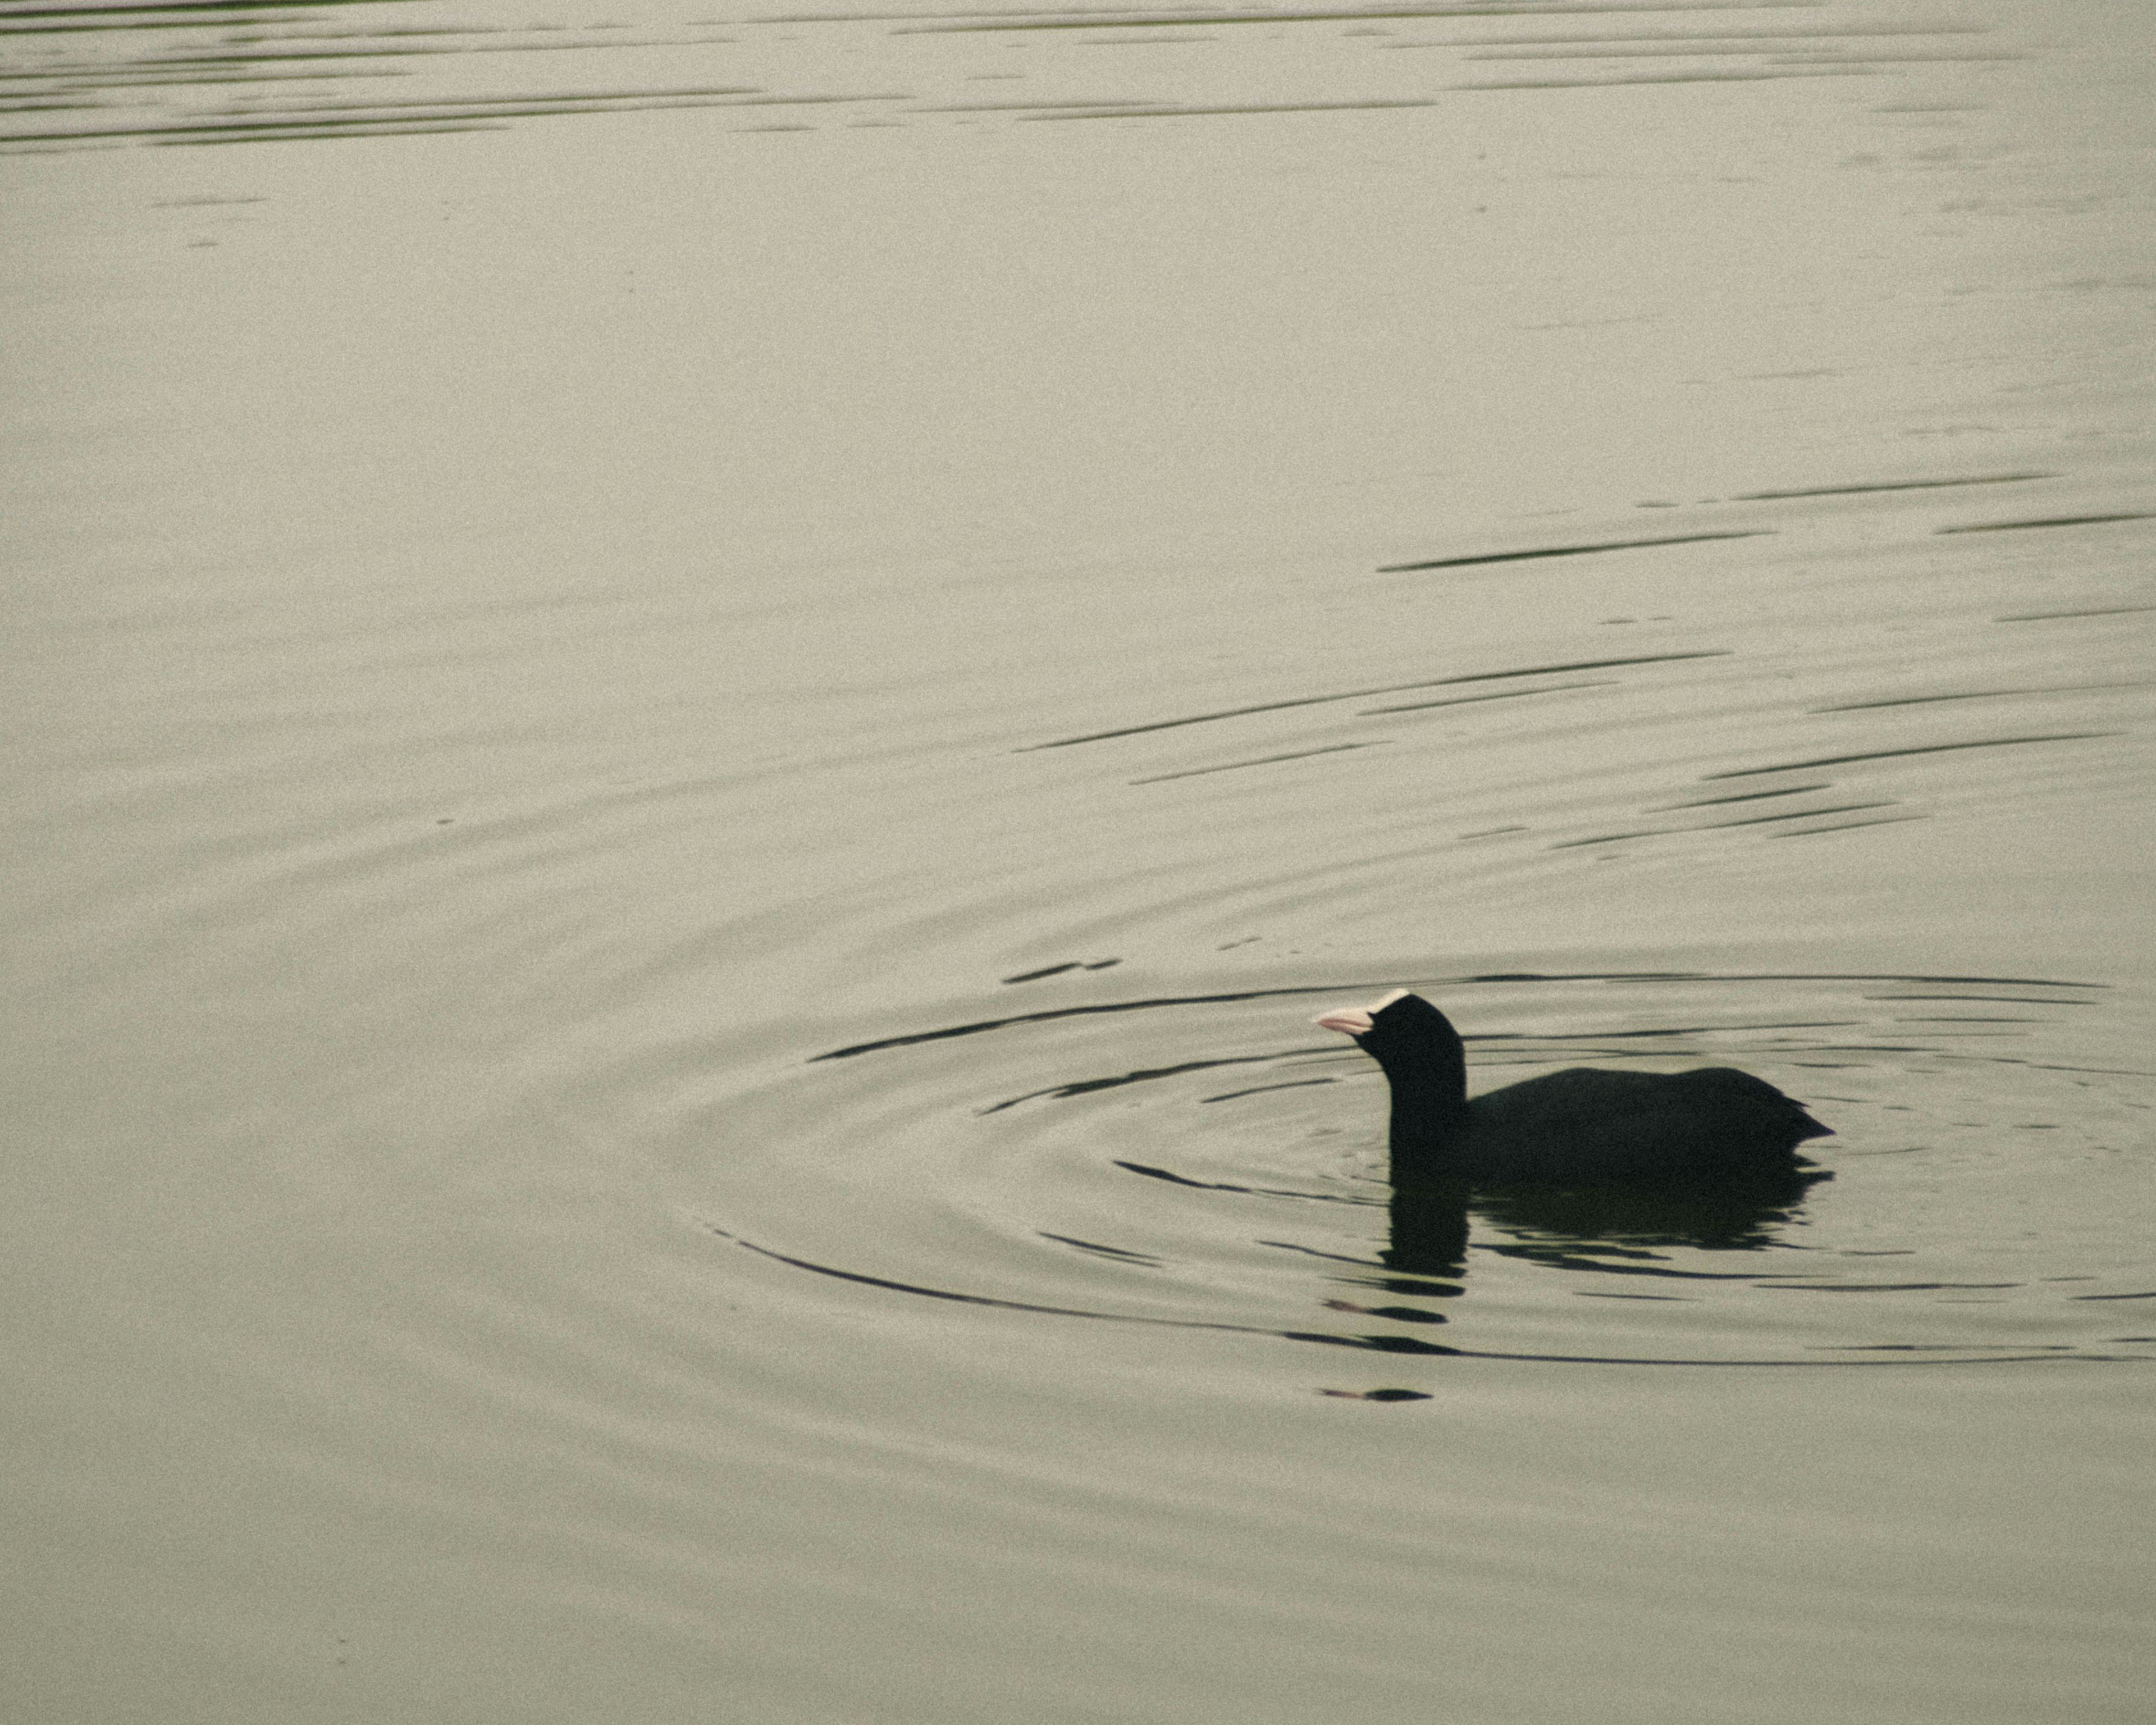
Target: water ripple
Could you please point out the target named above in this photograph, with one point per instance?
(989, 1167)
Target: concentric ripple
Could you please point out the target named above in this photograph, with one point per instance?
(1208, 1161)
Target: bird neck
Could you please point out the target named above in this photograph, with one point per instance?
(1425, 1120)
(1428, 1107)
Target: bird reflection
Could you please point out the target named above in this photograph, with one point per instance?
(1563, 1223)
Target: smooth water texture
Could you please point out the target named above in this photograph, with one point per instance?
(702, 700)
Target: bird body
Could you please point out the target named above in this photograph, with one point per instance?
(1581, 1126)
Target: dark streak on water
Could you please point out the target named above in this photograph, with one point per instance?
(1761, 75)
(2056, 520)
(1115, 1252)
(1934, 749)
(1422, 706)
(1752, 820)
(1566, 550)
(282, 53)
(1050, 970)
(1136, 111)
(183, 9)
(1260, 1088)
(2097, 611)
(1859, 707)
(1805, 32)
(1066, 19)
(1354, 985)
(1262, 761)
(1088, 1086)
(1793, 790)
(1988, 479)
(1273, 707)
(1375, 1343)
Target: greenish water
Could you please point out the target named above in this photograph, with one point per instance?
(700, 705)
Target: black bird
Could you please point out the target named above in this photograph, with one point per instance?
(1581, 1127)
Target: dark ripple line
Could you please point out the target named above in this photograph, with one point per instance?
(1570, 551)
(1934, 749)
(436, 104)
(2003, 999)
(1263, 761)
(1382, 1344)
(1695, 47)
(268, 130)
(1049, 970)
(1257, 1090)
(1151, 1172)
(1275, 706)
(1802, 33)
(1539, 1039)
(1990, 1060)
(1756, 820)
(1717, 826)
(1883, 1287)
(1086, 1086)
(335, 120)
(2050, 616)
(1606, 1259)
(1373, 1344)
(1832, 68)
(1072, 1012)
(1847, 826)
(1034, 976)
(1793, 790)
(1423, 707)
(1988, 479)
(1119, 19)
(2056, 520)
(1379, 1275)
(1119, 104)
(411, 129)
(1114, 1253)
(1147, 112)
(979, 1025)
(1859, 707)
(175, 6)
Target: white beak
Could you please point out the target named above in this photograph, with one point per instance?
(1355, 1020)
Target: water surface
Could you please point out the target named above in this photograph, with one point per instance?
(703, 699)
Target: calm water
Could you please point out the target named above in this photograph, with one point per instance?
(702, 698)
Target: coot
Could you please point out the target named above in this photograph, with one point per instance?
(1583, 1125)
